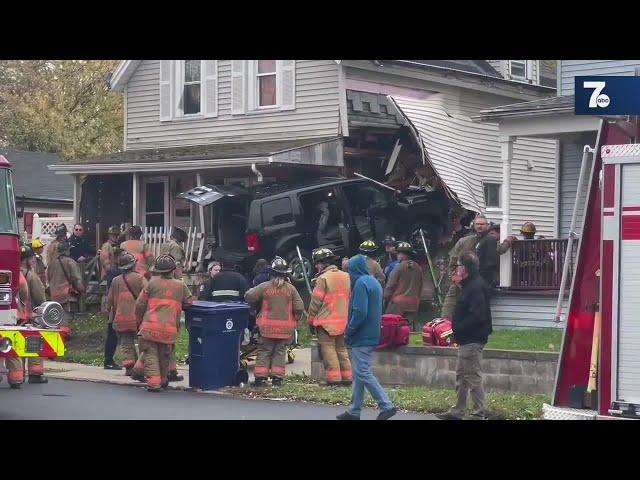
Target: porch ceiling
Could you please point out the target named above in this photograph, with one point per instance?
(191, 158)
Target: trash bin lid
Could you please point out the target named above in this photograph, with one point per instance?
(202, 306)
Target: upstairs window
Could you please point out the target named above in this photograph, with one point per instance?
(266, 83)
(191, 87)
(518, 69)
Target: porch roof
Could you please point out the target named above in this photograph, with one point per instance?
(199, 157)
(543, 106)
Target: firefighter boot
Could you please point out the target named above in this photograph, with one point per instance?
(259, 382)
(174, 376)
(38, 379)
(128, 371)
(276, 381)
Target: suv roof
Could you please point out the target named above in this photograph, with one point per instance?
(262, 191)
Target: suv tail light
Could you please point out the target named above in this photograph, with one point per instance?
(253, 243)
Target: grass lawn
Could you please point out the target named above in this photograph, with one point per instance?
(88, 333)
(500, 406)
(531, 339)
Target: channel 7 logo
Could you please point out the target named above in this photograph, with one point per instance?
(599, 95)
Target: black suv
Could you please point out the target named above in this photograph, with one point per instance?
(339, 213)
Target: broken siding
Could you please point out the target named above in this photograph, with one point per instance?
(466, 154)
(316, 113)
(569, 69)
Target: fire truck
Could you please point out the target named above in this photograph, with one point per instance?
(598, 374)
(39, 337)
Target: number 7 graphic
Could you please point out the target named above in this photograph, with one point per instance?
(598, 87)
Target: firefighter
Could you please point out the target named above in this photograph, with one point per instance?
(140, 251)
(173, 247)
(39, 267)
(121, 304)
(368, 248)
(404, 286)
(528, 230)
(158, 310)
(328, 313)
(65, 280)
(390, 260)
(106, 251)
(466, 244)
(30, 295)
(52, 250)
(280, 309)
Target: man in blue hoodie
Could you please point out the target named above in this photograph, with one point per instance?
(363, 335)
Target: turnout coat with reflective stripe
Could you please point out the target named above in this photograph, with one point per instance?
(106, 258)
(59, 286)
(158, 309)
(174, 249)
(30, 294)
(121, 304)
(280, 308)
(403, 288)
(329, 307)
(142, 254)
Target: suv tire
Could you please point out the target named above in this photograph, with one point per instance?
(294, 262)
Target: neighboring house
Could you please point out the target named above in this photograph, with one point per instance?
(191, 122)
(38, 189)
(551, 118)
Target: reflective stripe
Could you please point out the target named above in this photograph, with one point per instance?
(333, 375)
(219, 293)
(346, 374)
(260, 371)
(277, 370)
(154, 380)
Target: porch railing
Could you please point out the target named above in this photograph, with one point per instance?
(156, 236)
(537, 264)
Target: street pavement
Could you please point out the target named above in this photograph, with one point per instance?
(85, 400)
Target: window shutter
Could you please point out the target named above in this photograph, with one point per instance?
(210, 88)
(28, 222)
(166, 100)
(286, 91)
(238, 90)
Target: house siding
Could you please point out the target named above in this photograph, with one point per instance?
(570, 160)
(569, 69)
(316, 113)
(524, 311)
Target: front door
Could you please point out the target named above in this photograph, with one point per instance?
(156, 201)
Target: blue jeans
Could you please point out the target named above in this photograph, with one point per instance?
(363, 377)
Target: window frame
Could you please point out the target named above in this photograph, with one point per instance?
(277, 225)
(180, 85)
(492, 208)
(256, 86)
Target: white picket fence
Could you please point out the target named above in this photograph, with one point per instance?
(44, 228)
(154, 237)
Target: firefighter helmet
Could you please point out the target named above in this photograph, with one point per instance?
(25, 251)
(179, 234)
(64, 248)
(279, 266)
(114, 230)
(36, 243)
(322, 255)
(127, 261)
(494, 227)
(367, 247)
(164, 264)
(60, 230)
(405, 247)
(528, 227)
(389, 240)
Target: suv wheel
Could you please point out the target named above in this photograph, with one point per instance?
(294, 262)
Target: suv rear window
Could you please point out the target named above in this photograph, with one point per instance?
(277, 212)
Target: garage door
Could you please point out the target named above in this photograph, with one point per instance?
(629, 307)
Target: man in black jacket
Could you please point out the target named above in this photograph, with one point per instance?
(227, 285)
(79, 246)
(471, 330)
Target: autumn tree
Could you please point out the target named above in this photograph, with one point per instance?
(60, 106)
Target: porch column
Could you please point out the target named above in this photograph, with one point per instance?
(136, 199)
(77, 194)
(506, 151)
(200, 207)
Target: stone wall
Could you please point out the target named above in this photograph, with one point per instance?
(503, 370)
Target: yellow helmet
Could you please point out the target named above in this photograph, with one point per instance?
(36, 243)
(367, 247)
(528, 227)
